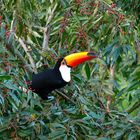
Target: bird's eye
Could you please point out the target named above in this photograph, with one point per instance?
(63, 63)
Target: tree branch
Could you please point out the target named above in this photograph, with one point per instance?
(38, 27)
(27, 52)
(137, 46)
(63, 94)
(13, 23)
(49, 16)
(134, 107)
(109, 98)
(45, 39)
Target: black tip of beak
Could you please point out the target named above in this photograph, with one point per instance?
(92, 54)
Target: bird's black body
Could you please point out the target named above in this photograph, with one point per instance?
(51, 79)
(47, 81)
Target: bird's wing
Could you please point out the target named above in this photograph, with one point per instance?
(46, 79)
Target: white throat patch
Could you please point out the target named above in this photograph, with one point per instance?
(65, 73)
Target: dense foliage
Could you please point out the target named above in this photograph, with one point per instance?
(102, 101)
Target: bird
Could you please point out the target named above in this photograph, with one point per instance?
(45, 82)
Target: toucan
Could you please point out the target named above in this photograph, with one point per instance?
(45, 82)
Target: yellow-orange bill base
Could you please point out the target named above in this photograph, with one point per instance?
(75, 59)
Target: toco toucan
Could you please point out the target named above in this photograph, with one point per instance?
(51, 79)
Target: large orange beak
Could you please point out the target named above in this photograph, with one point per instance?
(75, 59)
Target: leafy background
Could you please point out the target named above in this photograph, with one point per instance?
(102, 101)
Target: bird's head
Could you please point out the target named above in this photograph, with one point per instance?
(70, 61)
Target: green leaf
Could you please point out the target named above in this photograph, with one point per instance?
(87, 70)
(1, 99)
(132, 135)
(108, 1)
(42, 137)
(5, 77)
(24, 133)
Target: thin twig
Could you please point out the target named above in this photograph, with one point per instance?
(134, 107)
(135, 124)
(62, 94)
(50, 14)
(26, 65)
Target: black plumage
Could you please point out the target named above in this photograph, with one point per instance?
(51, 79)
(45, 82)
